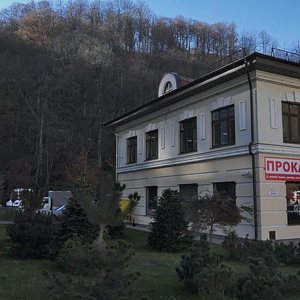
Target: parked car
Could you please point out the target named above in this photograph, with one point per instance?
(16, 203)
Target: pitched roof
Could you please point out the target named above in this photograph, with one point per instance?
(255, 61)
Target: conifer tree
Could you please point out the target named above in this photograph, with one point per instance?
(169, 229)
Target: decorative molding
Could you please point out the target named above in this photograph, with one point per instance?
(273, 114)
(141, 143)
(162, 138)
(220, 102)
(187, 114)
(172, 135)
(131, 133)
(150, 127)
(290, 96)
(226, 101)
(202, 126)
(297, 96)
(242, 115)
(185, 159)
(271, 79)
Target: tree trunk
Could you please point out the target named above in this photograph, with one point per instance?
(39, 151)
(99, 242)
(211, 230)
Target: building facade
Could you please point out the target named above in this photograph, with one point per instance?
(236, 129)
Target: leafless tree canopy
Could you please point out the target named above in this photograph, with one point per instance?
(67, 67)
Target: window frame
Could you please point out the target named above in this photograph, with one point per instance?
(290, 114)
(152, 145)
(217, 188)
(132, 150)
(292, 203)
(188, 135)
(216, 125)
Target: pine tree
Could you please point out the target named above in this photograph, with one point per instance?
(76, 223)
(169, 230)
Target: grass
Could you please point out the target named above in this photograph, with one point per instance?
(7, 213)
(26, 280)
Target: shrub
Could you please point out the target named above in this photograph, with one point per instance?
(193, 263)
(76, 223)
(263, 282)
(287, 253)
(243, 248)
(91, 273)
(169, 230)
(215, 282)
(32, 235)
(233, 245)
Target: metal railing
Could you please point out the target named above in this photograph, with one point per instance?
(286, 55)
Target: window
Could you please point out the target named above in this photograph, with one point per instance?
(188, 194)
(152, 145)
(151, 196)
(223, 127)
(188, 135)
(293, 202)
(228, 189)
(131, 150)
(291, 122)
(168, 87)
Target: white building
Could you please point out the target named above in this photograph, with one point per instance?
(236, 129)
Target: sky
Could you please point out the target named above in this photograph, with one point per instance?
(280, 18)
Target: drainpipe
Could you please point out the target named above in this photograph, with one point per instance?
(251, 152)
(117, 155)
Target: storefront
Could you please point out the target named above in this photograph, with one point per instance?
(285, 171)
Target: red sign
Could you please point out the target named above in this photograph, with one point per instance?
(282, 169)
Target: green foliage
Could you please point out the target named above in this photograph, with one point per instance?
(31, 235)
(91, 273)
(215, 282)
(263, 282)
(133, 202)
(169, 229)
(76, 223)
(232, 243)
(216, 211)
(287, 253)
(203, 273)
(243, 248)
(193, 263)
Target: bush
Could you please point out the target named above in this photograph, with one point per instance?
(193, 263)
(89, 273)
(75, 223)
(215, 282)
(263, 282)
(243, 248)
(287, 253)
(234, 246)
(203, 273)
(169, 230)
(32, 235)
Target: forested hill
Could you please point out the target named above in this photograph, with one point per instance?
(67, 68)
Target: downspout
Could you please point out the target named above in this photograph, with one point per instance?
(251, 152)
(117, 156)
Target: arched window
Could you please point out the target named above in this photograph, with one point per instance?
(168, 87)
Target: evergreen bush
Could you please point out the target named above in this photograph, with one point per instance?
(262, 283)
(88, 272)
(169, 229)
(32, 235)
(192, 263)
(203, 273)
(75, 223)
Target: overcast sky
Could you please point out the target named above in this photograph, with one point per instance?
(280, 18)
